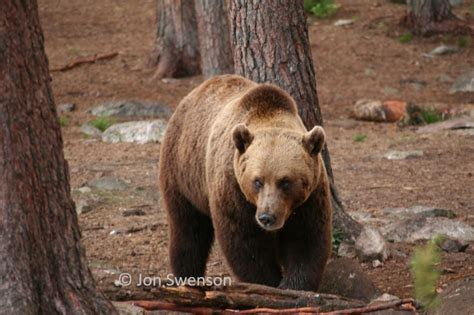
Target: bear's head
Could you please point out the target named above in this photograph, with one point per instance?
(277, 170)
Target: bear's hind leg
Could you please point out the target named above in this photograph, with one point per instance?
(191, 236)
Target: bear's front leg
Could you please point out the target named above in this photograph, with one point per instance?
(305, 248)
(249, 251)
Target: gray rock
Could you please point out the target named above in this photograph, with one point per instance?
(422, 228)
(403, 155)
(464, 83)
(346, 250)
(457, 298)
(108, 183)
(343, 22)
(419, 211)
(371, 110)
(371, 245)
(83, 206)
(456, 123)
(136, 132)
(444, 78)
(456, 3)
(91, 131)
(66, 108)
(453, 246)
(345, 277)
(443, 50)
(125, 108)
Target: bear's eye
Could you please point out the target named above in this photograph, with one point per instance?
(284, 184)
(258, 184)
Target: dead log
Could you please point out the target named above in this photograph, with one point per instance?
(238, 296)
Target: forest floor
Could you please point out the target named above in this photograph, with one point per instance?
(363, 60)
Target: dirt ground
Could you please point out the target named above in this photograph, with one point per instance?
(362, 60)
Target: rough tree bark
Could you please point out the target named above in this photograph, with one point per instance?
(428, 17)
(271, 44)
(42, 264)
(214, 37)
(176, 49)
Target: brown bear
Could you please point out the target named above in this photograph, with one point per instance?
(237, 162)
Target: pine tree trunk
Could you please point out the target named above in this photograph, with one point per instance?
(271, 44)
(426, 17)
(43, 268)
(214, 37)
(176, 49)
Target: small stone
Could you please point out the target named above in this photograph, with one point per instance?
(402, 155)
(84, 190)
(343, 22)
(453, 246)
(140, 132)
(443, 50)
(464, 83)
(370, 72)
(66, 108)
(108, 183)
(376, 263)
(346, 250)
(83, 206)
(91, 131)
(133, 212)
(371, 245)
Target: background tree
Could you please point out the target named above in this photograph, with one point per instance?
(427, 17)
(214, 37)
(176, 49)
(271, 44)
(42, 264)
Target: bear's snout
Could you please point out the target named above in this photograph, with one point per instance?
(266, 220)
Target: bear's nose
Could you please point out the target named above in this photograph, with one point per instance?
(267, 219)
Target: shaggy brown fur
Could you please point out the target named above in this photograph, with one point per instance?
(238, 162)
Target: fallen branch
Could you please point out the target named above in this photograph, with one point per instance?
(90, 59)
(410, 304)
(240, 296)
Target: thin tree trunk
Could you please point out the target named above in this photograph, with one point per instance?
(214, 37)
(176, 49)
(428, 17)
(43, 268)
(271, 44)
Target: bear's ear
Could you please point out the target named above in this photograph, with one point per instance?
(242, 137)
(313, 141)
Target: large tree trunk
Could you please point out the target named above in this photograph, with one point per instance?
(176, 49)
(43, 268)
(214, 37)
(271, 44)
(427, 17)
